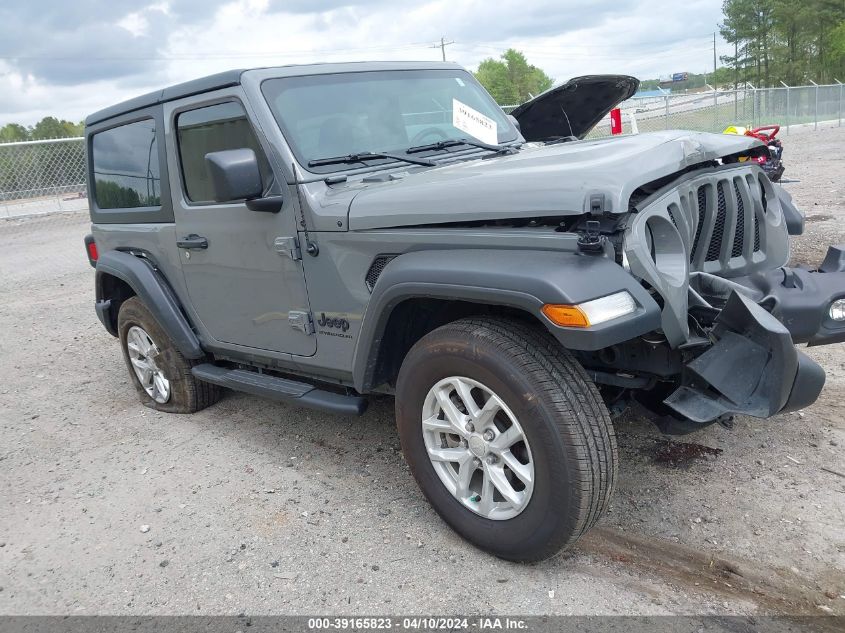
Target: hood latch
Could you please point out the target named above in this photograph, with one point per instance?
(592, 241)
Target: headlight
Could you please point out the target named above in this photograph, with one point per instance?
(592, 312)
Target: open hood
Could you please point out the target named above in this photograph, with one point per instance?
(574, 108)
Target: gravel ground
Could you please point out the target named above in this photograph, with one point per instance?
(259, 507)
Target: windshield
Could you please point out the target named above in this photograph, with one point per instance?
(325, 116)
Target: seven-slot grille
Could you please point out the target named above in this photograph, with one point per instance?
(728, 212)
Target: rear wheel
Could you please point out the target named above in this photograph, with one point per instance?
(161, 374)
(506, 436)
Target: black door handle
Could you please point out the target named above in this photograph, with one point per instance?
(192, 241)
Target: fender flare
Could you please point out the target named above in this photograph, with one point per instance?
(791, 214)
(520, 279)
(153, 290)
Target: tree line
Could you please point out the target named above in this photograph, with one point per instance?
(784, 40)
(47, 128)
(511, 80)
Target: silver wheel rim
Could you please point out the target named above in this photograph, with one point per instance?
(478, 448)
(143, 354)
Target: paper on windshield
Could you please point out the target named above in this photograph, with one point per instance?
(474, 123)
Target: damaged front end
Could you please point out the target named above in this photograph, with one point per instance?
(712, 249)
(752, 368)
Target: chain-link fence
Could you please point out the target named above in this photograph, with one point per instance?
(42, 177)
(48, 176)
(713, 111)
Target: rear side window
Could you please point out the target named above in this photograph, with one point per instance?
(126, 166)
(213, 129)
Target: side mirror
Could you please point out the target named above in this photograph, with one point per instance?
(235, 176)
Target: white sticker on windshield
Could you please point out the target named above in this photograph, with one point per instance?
(474, 123)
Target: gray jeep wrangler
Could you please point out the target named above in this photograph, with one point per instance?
(315, 234)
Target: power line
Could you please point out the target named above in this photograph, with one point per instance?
(553, 48)
(542, 52)
(215, 55)
(586, 56)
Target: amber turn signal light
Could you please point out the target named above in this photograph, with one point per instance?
(566, 316)
(591, 313)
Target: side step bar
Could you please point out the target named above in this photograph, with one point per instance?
(280, 389)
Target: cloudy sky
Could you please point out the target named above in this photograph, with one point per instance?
(70, 57)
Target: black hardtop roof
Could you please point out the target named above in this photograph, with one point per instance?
(186, 89)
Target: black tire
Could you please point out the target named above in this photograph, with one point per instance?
(563, 417)
(187, 394)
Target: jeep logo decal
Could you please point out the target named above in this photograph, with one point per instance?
(339, 324)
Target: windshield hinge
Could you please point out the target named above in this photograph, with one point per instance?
(301, 321)
(288, 246)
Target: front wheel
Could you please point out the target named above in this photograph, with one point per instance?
(506, 436)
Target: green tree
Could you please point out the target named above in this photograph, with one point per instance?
(724, 77)
(784, 40)
(837, 37)
(111, 195)
(13, 132)
(511, 79)
(51, 127)
(750, 25)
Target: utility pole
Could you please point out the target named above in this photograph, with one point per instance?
(736, 79)
(714, 59)
(736, 64)
(442, 46)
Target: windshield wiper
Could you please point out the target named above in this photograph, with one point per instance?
(459, 141)
(364, 156)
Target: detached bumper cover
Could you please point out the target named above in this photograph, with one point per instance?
(801, 298)
(752, 369)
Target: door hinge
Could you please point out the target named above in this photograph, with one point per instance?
(301, 321)
(288, 246)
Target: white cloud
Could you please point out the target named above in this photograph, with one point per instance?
(71, 63)
(136, 23)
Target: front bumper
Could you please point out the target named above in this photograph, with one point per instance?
(801, 298)
(752, 369)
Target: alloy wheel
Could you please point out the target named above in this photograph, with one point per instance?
(478, 448)
(143, 354)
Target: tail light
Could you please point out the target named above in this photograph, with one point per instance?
(91, 250)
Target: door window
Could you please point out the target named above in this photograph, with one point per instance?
(213, 129)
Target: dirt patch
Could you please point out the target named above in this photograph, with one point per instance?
(775, 591)
(679, 454)
(817, 218)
